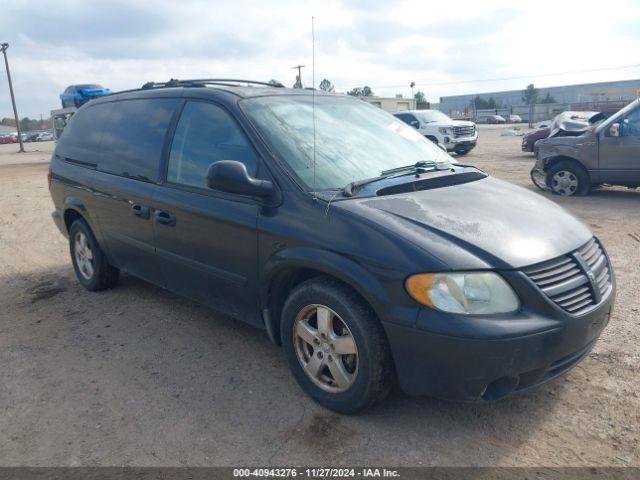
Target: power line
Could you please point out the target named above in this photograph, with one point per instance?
(519, 77)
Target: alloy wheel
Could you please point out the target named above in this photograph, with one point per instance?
(83, 255)
(564, 182)
(326, 348)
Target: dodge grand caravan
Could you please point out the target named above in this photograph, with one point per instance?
(357, 244)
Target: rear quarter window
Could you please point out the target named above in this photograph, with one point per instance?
(80, 139)
(133, 137)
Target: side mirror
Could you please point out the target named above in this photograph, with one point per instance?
(232, 177)
(415, 124)
(614, 130)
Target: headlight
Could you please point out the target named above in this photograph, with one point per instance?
(445, 130)
(472, 293)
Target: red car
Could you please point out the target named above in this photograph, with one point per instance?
(496, 119)
(529, 139)
(8, 138)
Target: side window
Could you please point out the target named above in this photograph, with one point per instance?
(206, 134)
(406, 118)
(80, 139)
(133, 137)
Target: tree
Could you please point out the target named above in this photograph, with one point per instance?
(548, 99)
(421, 100)
(273, 81)
(530, 94)
(24, 124)
(326, 85)
(484, 104)
(361, 92)
(530, 97)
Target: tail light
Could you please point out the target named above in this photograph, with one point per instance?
(49, 177)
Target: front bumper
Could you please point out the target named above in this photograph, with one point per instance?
(460, 143)
(539, 178)
(487, 359)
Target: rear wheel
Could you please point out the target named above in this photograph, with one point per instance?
(92, 268)
(335, 346)
(567, 178)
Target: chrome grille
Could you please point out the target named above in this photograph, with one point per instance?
(464, 131)
(576, 282)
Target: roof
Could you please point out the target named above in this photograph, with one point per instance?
(209, 88)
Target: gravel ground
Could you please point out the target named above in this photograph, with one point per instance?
(138, 376)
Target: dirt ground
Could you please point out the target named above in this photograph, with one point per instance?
(138, 376)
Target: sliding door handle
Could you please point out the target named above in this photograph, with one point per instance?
(165, 218)
(141, 211)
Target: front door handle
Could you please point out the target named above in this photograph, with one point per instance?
(165, 218)
(141, 211)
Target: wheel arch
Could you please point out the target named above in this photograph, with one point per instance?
(73, 209)
(290, 268)
(555, 159)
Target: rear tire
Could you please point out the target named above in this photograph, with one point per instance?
(92, 268)
(327, 328)
(568, 178)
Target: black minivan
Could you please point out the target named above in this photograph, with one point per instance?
(358, 245)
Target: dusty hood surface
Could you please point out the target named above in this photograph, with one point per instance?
(487, 223)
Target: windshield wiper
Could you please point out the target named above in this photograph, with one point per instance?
(420, 167)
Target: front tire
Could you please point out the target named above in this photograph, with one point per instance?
(567, 178)
(462, 153)
(335, 346)
(92, 268)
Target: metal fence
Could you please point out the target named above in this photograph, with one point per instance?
(541, 111)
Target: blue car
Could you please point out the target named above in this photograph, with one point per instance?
(78, 95)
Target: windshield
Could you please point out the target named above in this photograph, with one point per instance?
(354, 140)
(431, 116)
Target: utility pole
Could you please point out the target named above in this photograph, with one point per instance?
(4, 47)
(298, 83)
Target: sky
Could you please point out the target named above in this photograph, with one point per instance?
(446, 48)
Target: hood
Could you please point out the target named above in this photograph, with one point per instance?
(573, 123)
(452, 123)
(539, 133)
(462, 123)
(483, 224)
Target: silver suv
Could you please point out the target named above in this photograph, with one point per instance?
(608, 152)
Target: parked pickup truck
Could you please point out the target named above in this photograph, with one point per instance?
(454, 135)
(606, 151)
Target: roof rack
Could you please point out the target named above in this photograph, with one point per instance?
(229, 82)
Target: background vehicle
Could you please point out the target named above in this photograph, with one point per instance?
(8, 138)
(458, 136)
(606, 152)
(530, 138)
(495, 119)
(78, 95)
(383, 259)
(44, 137)
(515, 118)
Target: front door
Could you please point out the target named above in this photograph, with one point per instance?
(206, 240)
(619, 157)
